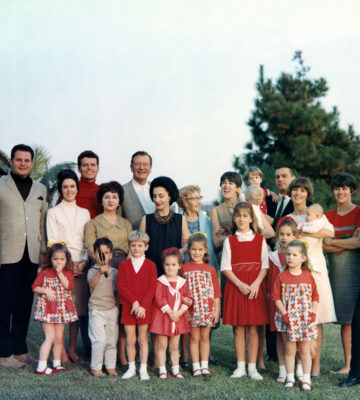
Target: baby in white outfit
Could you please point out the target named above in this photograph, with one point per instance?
(315, 219)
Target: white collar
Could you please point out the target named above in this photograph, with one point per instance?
(248, 234)
(137, 184)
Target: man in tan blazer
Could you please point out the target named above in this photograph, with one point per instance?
(22, 237)
(137, 201)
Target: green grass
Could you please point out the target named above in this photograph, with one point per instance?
(79, 384)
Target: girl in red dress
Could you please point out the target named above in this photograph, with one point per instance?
(296, 298)
(54, 306)
(136, 287)
(168, 319)
(286, 232)
(205, 312)
(244, 263)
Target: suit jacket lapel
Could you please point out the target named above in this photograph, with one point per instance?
(13, 187)
(134, 197)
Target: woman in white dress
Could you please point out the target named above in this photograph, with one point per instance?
(301, 190)
(66, 222)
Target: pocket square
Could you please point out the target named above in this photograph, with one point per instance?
(40, 198)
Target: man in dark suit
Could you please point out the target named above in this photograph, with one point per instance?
(137, 201)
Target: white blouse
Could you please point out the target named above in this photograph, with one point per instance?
(242, 237)
(66, 222)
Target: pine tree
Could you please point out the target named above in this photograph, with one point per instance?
(289, 126)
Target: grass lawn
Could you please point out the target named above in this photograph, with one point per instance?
(79, 384)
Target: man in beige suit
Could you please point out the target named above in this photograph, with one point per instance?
(137, 201)
(22, 225)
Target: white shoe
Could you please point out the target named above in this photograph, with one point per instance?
(129, 374)
(144, 376)
(238, 373)
(255, 375)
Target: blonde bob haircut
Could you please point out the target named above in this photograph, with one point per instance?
(185, 193)
(138, 236)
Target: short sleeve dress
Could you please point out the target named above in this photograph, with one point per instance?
(297, 292)
(344, 271)
(60, 311)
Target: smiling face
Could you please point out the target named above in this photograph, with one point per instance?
(137, 248)
(229, 190)
(299, 196)
(294, 258)
(283, 178)
(193, 202)
(171, 267)
(197, 251)
(342, 195)
(141, 168)
(242, 220)
(110, 201)
(22, 163)
(161, 198)
(284, 236)
(88, 169)
(69, 190)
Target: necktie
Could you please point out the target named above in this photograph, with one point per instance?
(280, 210)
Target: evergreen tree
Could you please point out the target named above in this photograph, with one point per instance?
(290, 126)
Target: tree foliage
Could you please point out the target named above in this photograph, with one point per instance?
(289, 126)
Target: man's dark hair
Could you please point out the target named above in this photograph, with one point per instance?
(88, 154)
(22, 147)
(141, 153)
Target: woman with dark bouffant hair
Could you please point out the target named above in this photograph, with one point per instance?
(165, 228)
(66, 222)
(112, 226)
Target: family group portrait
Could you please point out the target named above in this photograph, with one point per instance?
(179, 201)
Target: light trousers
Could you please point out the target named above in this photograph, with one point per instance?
(103, 334)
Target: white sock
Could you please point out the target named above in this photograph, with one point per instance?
(290, 377)
(282, 371)
(204, 364)
(299, 370)
(56, 363)
(307, 378)
(251, 367)
(196, 366)
(175, 369)
(162, 370)
(143, 367)
(241, 364)
(41, 365)
(132, 366)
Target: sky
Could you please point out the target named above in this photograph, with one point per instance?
(173, 77)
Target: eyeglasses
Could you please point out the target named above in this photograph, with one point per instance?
(194, 198)
(139, 164)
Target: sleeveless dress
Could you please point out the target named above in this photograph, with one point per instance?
(162, 236)
(238, 309)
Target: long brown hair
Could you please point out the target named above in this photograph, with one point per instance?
(200, 237)
(303, 251)
(69, 266)
(243, 205)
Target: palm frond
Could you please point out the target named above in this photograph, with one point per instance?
(41, 162)
(4, 163)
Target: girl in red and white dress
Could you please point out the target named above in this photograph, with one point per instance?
(296, 298)
(245, 263)
(54, 307)
(205, 312)
(286, 232)
(168, 314)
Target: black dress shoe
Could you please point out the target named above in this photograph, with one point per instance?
(350, 381)
(270, 358)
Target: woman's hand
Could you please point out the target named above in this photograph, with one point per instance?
(254, 290)
(50, 294)
(244, 288)
(220, 232)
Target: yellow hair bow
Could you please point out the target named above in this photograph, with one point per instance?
(49, 244)
(202, 233)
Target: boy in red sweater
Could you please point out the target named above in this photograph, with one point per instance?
(136, 286)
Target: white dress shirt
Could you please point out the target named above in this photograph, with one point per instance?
(143, 193)
(286, 202)
(137, 263)
(242, 237)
